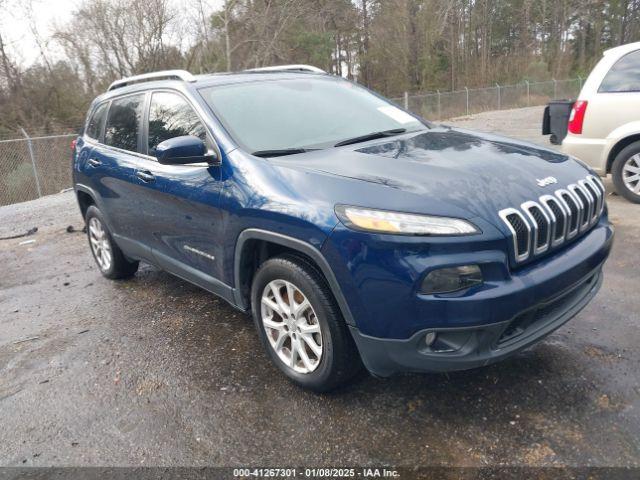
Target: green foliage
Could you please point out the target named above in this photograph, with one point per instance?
(313, 48)
(18, 183)
(537, 70)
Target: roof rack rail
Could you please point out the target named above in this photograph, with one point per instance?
(285, 68)
(149, 77)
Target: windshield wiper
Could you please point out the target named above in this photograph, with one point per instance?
(280, 152)
(371, 136)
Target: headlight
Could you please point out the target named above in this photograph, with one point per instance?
(451, 279)
(384, 221)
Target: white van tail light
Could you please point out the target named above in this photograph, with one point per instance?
(576, 119)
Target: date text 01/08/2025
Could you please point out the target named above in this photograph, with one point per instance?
(368, 472)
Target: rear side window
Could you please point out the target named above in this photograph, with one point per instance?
(624, 76)
(123, 122)
(171, 116)
(94, 127)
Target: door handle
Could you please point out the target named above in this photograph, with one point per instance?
(145, 176)
(94, 163)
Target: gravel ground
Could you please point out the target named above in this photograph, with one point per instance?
(154, 371)
(521, 123)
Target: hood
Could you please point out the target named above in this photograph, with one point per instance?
(478, 173)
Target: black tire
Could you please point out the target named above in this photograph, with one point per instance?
(617, 171)
(120, 266)
(340, 360)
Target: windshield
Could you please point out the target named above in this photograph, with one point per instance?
(302, 113)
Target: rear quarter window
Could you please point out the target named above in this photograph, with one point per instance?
(123, 122)
(624, 75)
(96, 121)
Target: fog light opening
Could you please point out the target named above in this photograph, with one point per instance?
(444, 342)
(430, 338)
(451, 279)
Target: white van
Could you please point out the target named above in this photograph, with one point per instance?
(604, 126)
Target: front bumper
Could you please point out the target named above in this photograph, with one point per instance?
(512, 309)
(381, 279)
(470, 347)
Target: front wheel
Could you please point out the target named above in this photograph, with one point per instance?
(626, 172)
(301, 326)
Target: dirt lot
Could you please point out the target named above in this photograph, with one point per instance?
(154, 371)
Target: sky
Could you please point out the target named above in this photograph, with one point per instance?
(16, 28)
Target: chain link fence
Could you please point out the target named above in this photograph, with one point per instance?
(444, 105)
(31, 167)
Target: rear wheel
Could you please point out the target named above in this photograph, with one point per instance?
(110, 260)
(301, 326)
(626, 172)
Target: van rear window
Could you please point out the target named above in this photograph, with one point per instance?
(624, 76)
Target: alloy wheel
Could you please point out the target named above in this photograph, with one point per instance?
(631, 174)
(291, 326)
(100, 245)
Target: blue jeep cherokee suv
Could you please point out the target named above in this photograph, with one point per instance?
(355, 232)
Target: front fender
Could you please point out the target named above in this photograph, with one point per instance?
(294, 244)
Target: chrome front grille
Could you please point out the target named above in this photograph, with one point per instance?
(541, 226)
(552, 220)
(558, 218)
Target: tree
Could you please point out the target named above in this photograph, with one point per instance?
(391, 46)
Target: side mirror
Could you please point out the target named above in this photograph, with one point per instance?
(183, 151)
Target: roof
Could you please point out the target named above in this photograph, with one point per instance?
(622, 49)
(186, 76)
(182, 78)
(248, 76)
